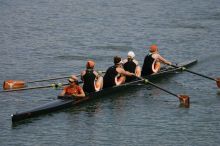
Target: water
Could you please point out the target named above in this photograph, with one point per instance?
(43, 39)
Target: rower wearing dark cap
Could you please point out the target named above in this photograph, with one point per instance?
(92, 80)
(152, 61)
(115, 75)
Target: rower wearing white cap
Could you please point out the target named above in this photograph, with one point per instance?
(131, 65)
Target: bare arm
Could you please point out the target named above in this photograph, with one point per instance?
(96, 74)
(82, 74)
(161, 59)
(123, 72)
(63, 92)
(81, 94)
(135, 61)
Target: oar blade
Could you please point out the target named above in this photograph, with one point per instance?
(218, 82)
(184, 100)
(13, 84)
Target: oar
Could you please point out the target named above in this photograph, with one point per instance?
(50, 79)
(17, 84)
(55, 86)
(184, 99)
(185, 69)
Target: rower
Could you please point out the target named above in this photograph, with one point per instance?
(152, 61)
(92, 81)
(73, 89)
(115, 75)
(131, 65)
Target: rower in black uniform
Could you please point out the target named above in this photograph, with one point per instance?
(131, 64)
(115, 75)
(92, 80)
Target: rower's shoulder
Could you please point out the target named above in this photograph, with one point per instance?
(124, 61)
(135, 61)
(83, 72)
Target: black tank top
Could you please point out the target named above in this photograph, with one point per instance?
(147, 66)
(88, 79)
(130, 66)
(109, 77)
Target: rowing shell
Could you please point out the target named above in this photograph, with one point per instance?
(65, 102)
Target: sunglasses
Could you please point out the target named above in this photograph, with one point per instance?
(75, 81)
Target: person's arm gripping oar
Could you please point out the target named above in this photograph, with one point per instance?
(184, 99)
(185, 69)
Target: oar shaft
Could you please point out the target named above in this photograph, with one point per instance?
(184, 99)
(148, 82)
(56, 78)
(42, 80)
(30, 88)
(162, 89)
(38, 87)
(200, 74)
(207, 77)
(194, 72)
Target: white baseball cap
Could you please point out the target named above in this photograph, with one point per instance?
(131, 54)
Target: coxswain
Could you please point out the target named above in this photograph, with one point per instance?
(92, 80)
(115, 75)
(131, 64)
(152, 61)
(73, 89)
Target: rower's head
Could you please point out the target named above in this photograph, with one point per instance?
(153, 48)
(90, 64)
(117, 60)
(73, 79)
(131, 55)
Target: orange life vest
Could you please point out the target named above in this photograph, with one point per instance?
(72, 90)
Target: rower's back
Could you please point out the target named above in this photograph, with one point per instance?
(131, 67)
(109, 77)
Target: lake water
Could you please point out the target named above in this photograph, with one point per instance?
(43, 39)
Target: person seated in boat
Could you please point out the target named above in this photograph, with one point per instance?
(152, 61)
(73, 89)
(92, 80)
(131, 64)
(115, 75)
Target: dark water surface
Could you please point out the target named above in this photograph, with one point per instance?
(42, 39)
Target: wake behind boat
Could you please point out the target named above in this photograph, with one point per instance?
(66, 102)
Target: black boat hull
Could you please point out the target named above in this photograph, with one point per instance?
(62, 103)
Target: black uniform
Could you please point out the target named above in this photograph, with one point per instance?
(131, 67)
(147, 65)
(89, 79)
(109, 77)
